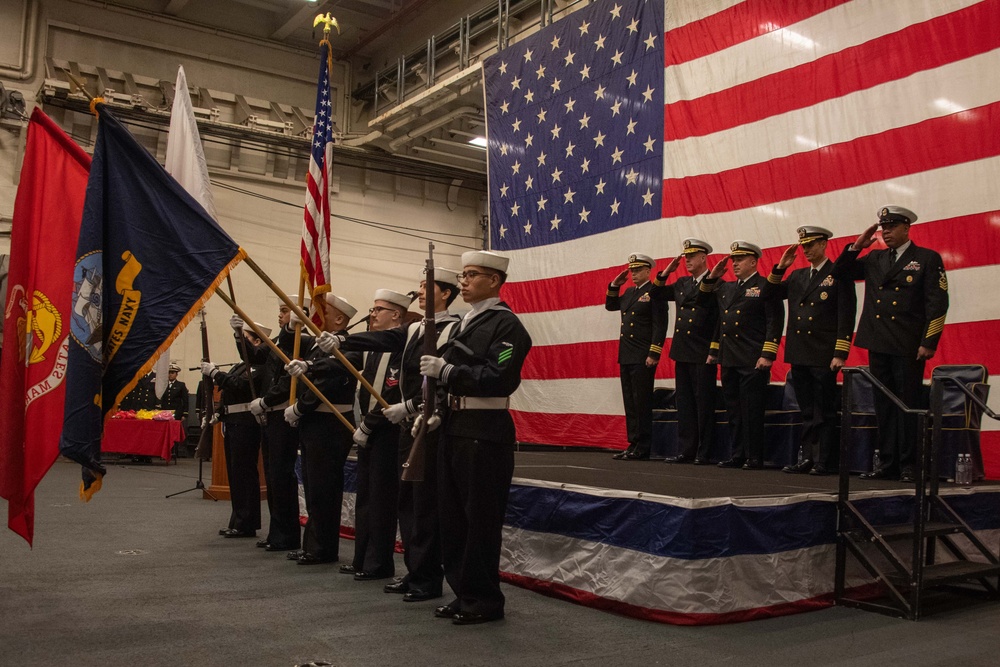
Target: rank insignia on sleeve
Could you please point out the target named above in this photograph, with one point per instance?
(943, 282)
(506, 353)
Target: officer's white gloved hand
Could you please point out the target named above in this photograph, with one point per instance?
(432, 366)
(208, 369)
(257, 407)
(297, 367)
(360, 438)
(292, 414)
(396, 413)
(294, 319)
(236, 322)
(432, 424)
(328, 342)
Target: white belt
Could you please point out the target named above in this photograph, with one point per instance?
(278, 407)
(236, 408)
(342, 408)
(478, 403)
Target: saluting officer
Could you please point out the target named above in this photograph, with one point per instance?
(241, 432)
(281, 440)
(378, 443)
(419, 527)
(480, 369)
(643, 330)
(175, 398)
(906, 300)
(746, 345)
(821, 311)
(694, 328)
(323, 439)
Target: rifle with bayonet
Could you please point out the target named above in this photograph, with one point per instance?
(204, 449)
(416, 462)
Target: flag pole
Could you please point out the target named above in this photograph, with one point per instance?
(281, 355)
(313, 328)
(297, 346)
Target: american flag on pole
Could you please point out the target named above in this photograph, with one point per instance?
(316, 223)
(774, 114)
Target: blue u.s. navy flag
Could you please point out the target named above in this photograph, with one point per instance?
(148, 257)
(575, 125)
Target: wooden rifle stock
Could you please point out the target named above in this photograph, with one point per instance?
(204, 449)
(416, 462)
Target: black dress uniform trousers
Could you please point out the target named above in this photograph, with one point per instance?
(816, 393)
(695, 399)
(897, 431)
(325, 445)
(637, 395)
(242, 447)
(419, 526)
(375, 511)
(281, 449)
(745, 391)
(474, 477)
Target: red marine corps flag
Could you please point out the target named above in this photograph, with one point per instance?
(47, 215)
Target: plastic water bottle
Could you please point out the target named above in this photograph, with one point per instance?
(876, 460)
(960, 469)
(965, 460)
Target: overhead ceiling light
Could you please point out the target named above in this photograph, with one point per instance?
(478, 141)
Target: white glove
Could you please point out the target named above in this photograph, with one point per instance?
(292, 414)
(257, 407)
(208, 369)
(432, 366)
(237, 323)
(432, 424)
(293, 319)
(329, 342)
(360, 438)
(297, 367)
(396, 413)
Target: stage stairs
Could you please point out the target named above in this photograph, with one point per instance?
(903, 558)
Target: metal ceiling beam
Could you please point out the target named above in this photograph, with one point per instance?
(175, 7)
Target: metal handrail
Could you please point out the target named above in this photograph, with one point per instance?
(968, 392)
(885, 390)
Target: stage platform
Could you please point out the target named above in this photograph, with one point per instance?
(690, 545)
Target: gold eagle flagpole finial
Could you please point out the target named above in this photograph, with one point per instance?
(327, 20)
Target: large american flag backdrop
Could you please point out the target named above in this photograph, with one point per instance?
(629, 125)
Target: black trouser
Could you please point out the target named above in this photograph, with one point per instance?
(816, 393)
(375, 507)
(325, 444)
(745, 389)
(637, 394)
(242, 446)
(897, 432)
(695, 398)
(473, 483)
(281, 448)
(419, 526)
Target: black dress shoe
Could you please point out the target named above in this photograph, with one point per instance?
(370, 576)
(446, 611)
(799, 468)
(821, 471)
(467, 618)
(680, 458)
(262, 544)
(281, 547)
(347, 569)
(619, 456)
(294, 554)
(753, 464)
(700, 462)
(232, 532)
(421, 596)
(399, 587)
(635, 457)
(878, 473)
(731, 463)
(223, 531)
(312, 559)
(907, 476)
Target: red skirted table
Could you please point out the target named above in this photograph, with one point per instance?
(142, 437)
